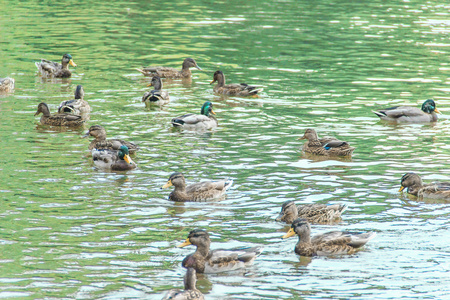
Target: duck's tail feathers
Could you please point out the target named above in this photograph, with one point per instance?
(256, 91)
(379, 114)
(177, 122)
(142, 71)
(228, 184)
(38, 64)
(343, 207)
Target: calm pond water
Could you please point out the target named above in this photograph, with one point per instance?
(69, 230)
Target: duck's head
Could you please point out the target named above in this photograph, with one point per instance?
(190, 63)
(67, 59)
(42, 108)
(124, 154)
(156, 83)
(79, 92)
(429, 106)
(96, 131)
(288, 212)
(176, 179)
(207, 108)
(410, 181)
(299, 227)
(196, 237)
(218, 76)
(310, 134)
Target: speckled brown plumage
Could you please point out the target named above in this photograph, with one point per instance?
(330, 243)
(414, 185)
(201, 191)
(111, 159)
(190, 290)
(325, 147)
(157, 96)
(242, 89)
(57, 119)
(7, 84)
(53, 69)
(314, 213)
(165, 72)
(100, 141)
(76, 106)
(204, 260)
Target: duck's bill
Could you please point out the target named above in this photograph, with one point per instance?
(213, 112)
(437, 111)
(280, 216)
(290, 233)
(187, 242)
(86, 135)
(72, 63)
(37, 113)
(212, 81)
(401, 188)
(150, 84)
(198, 67)
(168, 184)
(128, 159)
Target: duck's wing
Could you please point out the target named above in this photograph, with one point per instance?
(220, 260)
(398, 112)
(190, 119)
(48, 66)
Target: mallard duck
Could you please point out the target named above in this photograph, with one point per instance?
(325, 147)
(111, 159)
(314, 213)
(100, 142)
(6, 84)
(157, 96)
(330, 243)
(201, 191)
(204, 260)
(53, 69)
(165, 72)
(77, 106)
(408, 114)
(415, 186)
(57, 119)
(190, 290)
(234, 89)
(201, 122)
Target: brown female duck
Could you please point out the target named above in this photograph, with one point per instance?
(204, 260)
(53, 69)
(325, 147)
(201, 191)
(111, 159)
(414, 185)
(57, 119)
(6, 84)
(204, 121)
(165, 72)
(330, 243)
(100, 141)
(242, 89)
(76, 106)
(190, 290)
(157, 96)
(314, 213)
(408, 114)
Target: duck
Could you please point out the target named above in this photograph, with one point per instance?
(100, 141)
(414, 186)
(53, 69)
(204, 121)
(204, 260)
(57, 119)
(7, 84)
(112, 159)
(172, 73)
(157, 96)
(234, 89)
(326, 146)
(201, 191)
(330, 243)
(190, 290)
(76, 106)
(314, 213)
(409, 114)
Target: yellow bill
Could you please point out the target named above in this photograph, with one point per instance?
(437, 111)
(168, 184)
(401, 188)
(212, 81)
(72, 63)
(213, 112)
(127, 158)
(290, 233)
(187, 242)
